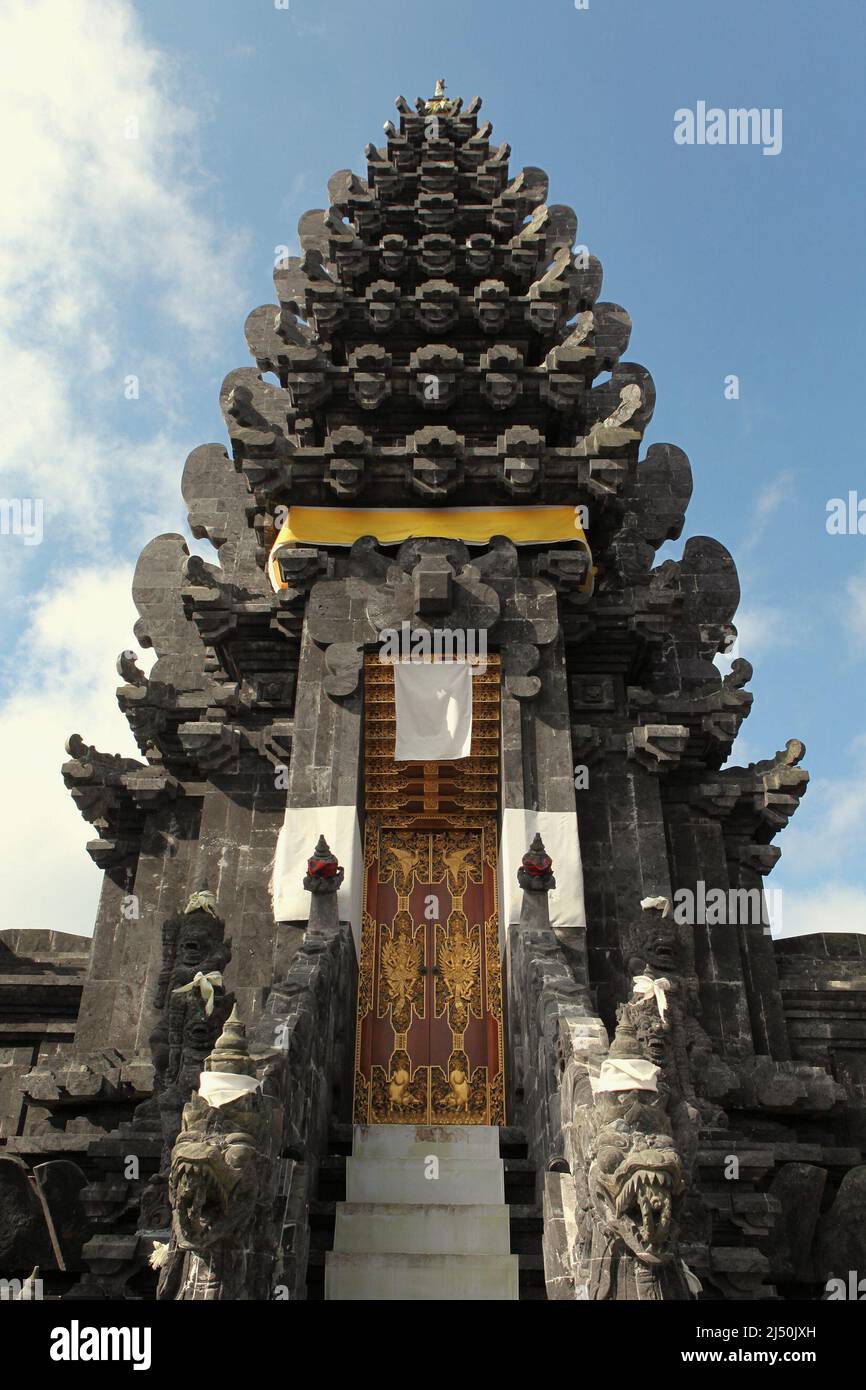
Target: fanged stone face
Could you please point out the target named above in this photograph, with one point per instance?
(563, 391)
(436, 309)
(383, 307)
(192, 948)
(327, 313)
(351, 262)
(523, 261)
(479, 254)
(345, 476)
(437, 255)
(491, 311)
(542, 315)
(521, 475)
(308, 389)
(500, 389)
(370, 389)
(504, 219)
(393, 255)
(213, 1189)
(434, 477)
(637, 1182)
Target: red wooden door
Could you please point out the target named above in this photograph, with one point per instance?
(429, 1031)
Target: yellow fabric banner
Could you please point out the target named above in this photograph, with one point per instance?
(392, 525)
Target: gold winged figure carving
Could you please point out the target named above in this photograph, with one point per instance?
(402, 958)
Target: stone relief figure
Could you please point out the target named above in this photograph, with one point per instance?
(223, 1183)
(194, 1006)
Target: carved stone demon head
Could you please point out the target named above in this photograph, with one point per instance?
(522, 450)
(353, 261)
(544, 309)
(491, 305)
(636, 1177)
(326, 306)
(501, 383)
(480, 252)
(213, 1185)
(436, 305)
(435, 375)
(392, 254)
(345, 467)
(369, 376)
(436, 254)
(383, 305)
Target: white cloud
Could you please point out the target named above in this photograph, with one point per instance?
(760, 628)
(110, 265)
(771, 497)
(66, 684)
(831, 908)
(105, 253)
(829, 830)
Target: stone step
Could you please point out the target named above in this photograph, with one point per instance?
(512, 1140)
(417, 1141)
(463, 1181)
(464, 1229)
(420, 1277)
(425, 1165)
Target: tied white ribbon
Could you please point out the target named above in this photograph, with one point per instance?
(205, 985)
(662, 905)
(158, 1255)
(645, 985)
(692, 1281)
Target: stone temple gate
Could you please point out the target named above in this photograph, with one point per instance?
(339, 939)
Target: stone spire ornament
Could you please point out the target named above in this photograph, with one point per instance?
(535, 874)
(324, 874)
(230, 1052)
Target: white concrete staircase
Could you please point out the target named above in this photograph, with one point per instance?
(425, 1217)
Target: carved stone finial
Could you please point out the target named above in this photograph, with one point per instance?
(324, 874)
(535, 874)
(231, 1052)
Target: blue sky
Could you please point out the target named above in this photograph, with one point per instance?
(141, 256)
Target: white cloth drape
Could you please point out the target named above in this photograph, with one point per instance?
(433, 704)
(220, 1087)
(626, 1074)
(558, 830)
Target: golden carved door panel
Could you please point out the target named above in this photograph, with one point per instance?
(429, 1032)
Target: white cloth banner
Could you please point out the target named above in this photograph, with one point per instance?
(218, 1088)
(558, 830)
(433, 703)
(295, 845)
(626, 1074)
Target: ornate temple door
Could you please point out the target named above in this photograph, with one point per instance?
(429, 1044)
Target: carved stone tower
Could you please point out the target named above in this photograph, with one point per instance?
(554, 933)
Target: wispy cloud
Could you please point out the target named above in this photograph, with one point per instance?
(65, 664)
(855, 613)
(831, 908)
(111, 266)
(104, 245)
(769, 501)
